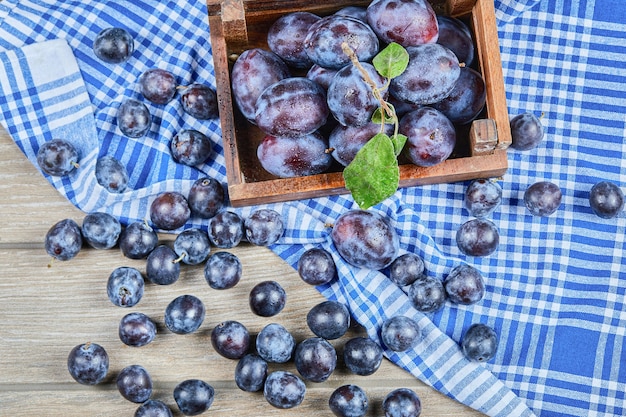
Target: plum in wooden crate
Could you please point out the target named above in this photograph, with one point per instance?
(240, 25)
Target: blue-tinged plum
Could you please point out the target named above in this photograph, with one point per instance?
(322, 76)
(292, 107)
(348, 401)
(157, 85)
(275, 344)
(315, 359)
(101, 230)
(111, 174)
(184, 314)
(464, 285)
(192, 246)
(408, 23)
(455, 35)
(543, 198)
(137, 240)
(400, 333)
(125, 286)
(402, 402)
(323, 43)
(263, 227)
(253, 71)
(153, 408)
(136, 329)
(193, 396)
(466, 100)
(113, 45)
(329, 319)
(169, 210)
(134, 383)
(427, 294)
(406, 268)
(231, 339)
(526, 132)
(191, 147)
(482, 197)
(57, 157)
(431, 136)
(478, 237)
(226, 229)
(284, 389)
(286, 38)
(430, 76)
(64, 240)
(267, 298)
(206, 197)
(199, 101)
(222, 270)
(362, 356)
(133, 118)
(250, 373)
(479, 343)
(163, 266)
(88, 363)
(606, 200)
(365, 239)
(349, 96)
(287, 157)
(316, 266)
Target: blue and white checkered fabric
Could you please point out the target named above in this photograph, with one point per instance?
(556, 285)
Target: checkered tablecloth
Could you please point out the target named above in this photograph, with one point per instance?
(555, 286)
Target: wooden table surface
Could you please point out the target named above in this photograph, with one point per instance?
(47, 310)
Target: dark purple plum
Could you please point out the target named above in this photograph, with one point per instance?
(184, 314)
(365, 239)
(362, 356)
(222, 270)
(125, 286)
(346, 141)
(329, 319)
(250, 373)
(157, 85)
(478, 237)
(153, 408)
(163, 266)
(406, 268)
(136, 329)
(322, 76)
(137, 240)
(427, 294)
(315, 359)
(113, 45)
(225, 229)
(349, 96)
(283, 389)
(206, 197)
(606, 199)
(431, 136)
(169, 210)
(267, 298)
(57, 157)
(193, 396)
(292, 107)
(400, 333)
(253, 71)
(467, 98)
(200, 101)
(88, 363)
(402, 402)
(133, 118)
(287, 157)
(455, 35)
(192, 246)
(408, 23)
(430, 76)
(348, 401)
(323, 43)
(111, 174)
(526, 132)
(231, 339)
(482, 197)
(64, 240)
(316, 266)
(101, 230)
(191, 147)
(464, 285)
(275, 344)
(134, 383)
(263, 227)
(543, 198)
(286, 38)
(479, 343)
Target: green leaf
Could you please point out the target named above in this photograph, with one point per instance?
(373, 175)
(391, 61)
(398, 141)
(377, 116)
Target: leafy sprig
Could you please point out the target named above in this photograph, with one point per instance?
(374, 174)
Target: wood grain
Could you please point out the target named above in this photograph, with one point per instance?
(47, 310)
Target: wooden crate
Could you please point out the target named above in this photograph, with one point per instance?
(237, 25)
